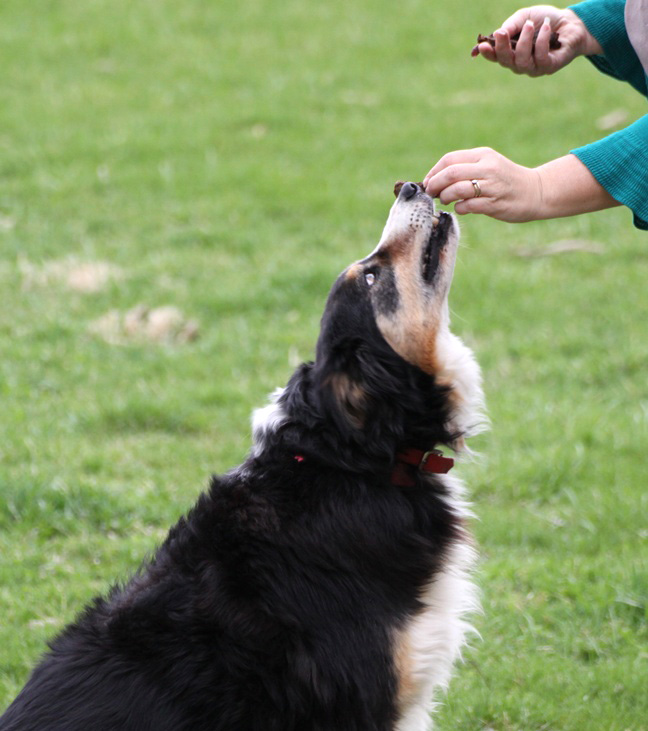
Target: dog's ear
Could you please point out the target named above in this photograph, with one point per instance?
(349, 397)
(341, 382)
(332, 389)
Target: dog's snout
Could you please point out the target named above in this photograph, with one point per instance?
(408, 190)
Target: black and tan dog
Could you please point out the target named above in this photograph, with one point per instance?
(323, 584)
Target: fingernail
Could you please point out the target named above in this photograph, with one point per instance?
(547, 21)
(529, 23)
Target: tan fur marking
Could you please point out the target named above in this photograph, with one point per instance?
(412, 330)
(353, 271)
(428, 360)
(407, 690)
(397, 247)
(350, 396)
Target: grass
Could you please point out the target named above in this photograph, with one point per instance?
(229, 159)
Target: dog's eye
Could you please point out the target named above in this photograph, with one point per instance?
(370, 278)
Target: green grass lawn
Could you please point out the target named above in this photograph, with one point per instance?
(229, 159)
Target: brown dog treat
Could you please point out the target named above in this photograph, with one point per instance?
(400, 183)
(554, 42)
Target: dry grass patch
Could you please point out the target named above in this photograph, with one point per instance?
(87, 277)
(142, 324)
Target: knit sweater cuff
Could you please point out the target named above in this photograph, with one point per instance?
(619, 163)
(605, 20)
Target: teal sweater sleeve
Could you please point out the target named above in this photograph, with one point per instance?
(605, 20)
(620, 164)
(620, 161)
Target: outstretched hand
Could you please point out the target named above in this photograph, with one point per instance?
(506, 191)
(575, 40)
(484, 181)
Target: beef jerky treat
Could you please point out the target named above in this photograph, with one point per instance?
(554, 42)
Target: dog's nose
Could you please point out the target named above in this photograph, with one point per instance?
(409, 190)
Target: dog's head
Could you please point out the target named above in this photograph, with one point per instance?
(385, 350)
(405, 281)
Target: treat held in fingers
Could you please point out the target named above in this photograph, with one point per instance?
(554, 42)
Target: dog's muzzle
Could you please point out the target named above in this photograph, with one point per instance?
(407, 190)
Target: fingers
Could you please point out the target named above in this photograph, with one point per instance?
(505, 55)
(492, 185)
(453, 183)
(486, 50)
(451, 180)
(475, 205)
(523, 61)
(514, 24)
(463, 190)
(458, 157)
(502, 53)
(542, 45)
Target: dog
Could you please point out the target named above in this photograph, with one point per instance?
(324, 584)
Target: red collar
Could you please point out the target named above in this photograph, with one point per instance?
(432, 462)
(404, 472)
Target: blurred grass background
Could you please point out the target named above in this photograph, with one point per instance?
(229, 159)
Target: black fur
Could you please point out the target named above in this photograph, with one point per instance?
(272, 605)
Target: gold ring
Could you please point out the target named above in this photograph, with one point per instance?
(478, 190)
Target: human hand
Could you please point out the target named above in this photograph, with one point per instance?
(507, 191)
(575, 40)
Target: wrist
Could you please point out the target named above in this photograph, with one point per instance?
(586, 44)
(562, 187)
(538, 194)
(545, 205)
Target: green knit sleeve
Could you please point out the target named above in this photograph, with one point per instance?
(605, 20)
(620, 164)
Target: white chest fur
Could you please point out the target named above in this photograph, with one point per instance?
(427, 647)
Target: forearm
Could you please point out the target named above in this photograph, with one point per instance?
(568, 188)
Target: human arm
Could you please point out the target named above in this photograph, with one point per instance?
(616, 164)
(512, 192)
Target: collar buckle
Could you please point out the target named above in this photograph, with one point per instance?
(427, 455)
(411, 461)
